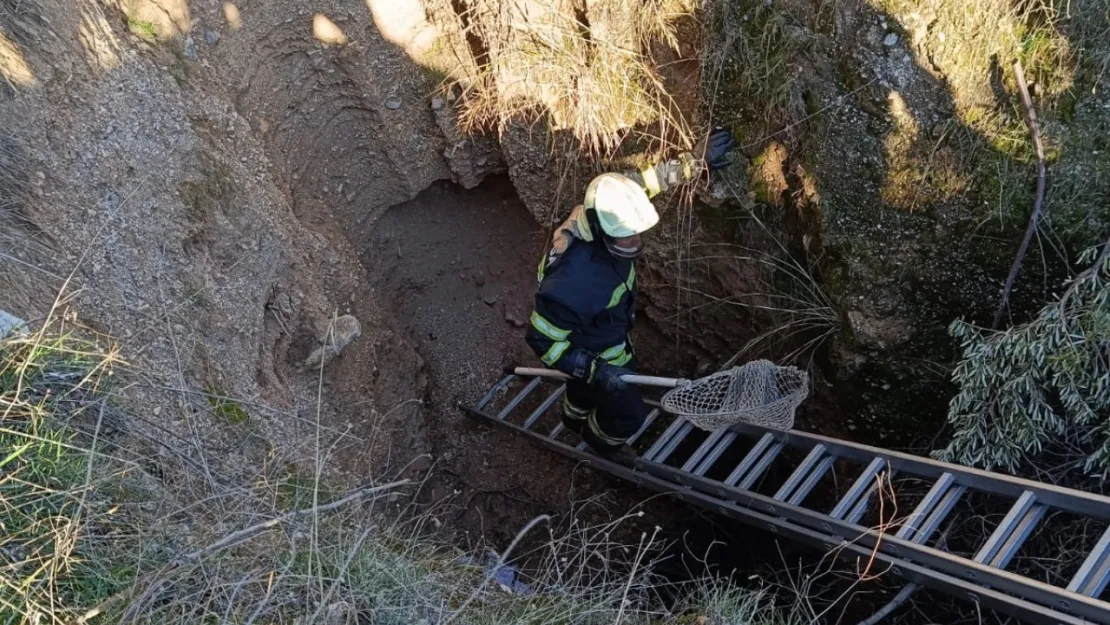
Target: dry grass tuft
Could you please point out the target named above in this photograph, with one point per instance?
(590, 75)
(747, 65)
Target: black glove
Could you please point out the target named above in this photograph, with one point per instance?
(717, 147)
(607, 377)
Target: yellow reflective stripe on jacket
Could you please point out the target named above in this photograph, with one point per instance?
(613, 352)
(617, 355)
(651, 181)
(623, 360)
(617, 294)
(623, 288)
(540, 269)
(548, 329)
(555, 352)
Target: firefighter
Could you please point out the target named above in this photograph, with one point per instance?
(586, 303)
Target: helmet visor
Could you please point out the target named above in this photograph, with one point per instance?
(628, 248)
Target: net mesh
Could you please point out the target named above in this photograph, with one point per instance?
(759, 393)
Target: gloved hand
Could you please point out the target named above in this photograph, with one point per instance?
(679, 170)
(608, 377)
(717, 147)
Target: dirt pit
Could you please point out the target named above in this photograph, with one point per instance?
(457, 268)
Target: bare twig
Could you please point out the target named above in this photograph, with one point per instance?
(902, 596)
(1038, 204)
(632, 575)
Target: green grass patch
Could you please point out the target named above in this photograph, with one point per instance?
(54, 487)
(226, 409)
(143, 29)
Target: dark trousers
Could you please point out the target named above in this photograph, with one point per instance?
(606, 420)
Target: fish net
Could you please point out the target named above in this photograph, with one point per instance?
(758, 393)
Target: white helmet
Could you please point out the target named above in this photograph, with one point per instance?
(622, 206)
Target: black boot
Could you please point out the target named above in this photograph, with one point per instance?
(621, 454)
(574, 425)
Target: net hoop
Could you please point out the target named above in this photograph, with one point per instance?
(758, 393)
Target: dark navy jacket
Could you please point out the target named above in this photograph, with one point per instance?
(586, 301)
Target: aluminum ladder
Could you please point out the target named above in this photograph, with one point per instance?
(722, 471)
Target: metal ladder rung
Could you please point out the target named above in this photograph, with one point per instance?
(1024, 529)
(664, 438)
(556, 431)
(547, 403)
(812, 459)
(861, 506)
(527, 390)
(939, 513)
(493, 391)
(859, 487)
(811, 482)
(1005, 530)
(1093, 575)
(672, 444)
(926, 505)
(702, 450)
(749, 460)
(745, 479)
(652, 416)
(708, 462)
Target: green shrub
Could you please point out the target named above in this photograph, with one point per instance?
(1042, 384)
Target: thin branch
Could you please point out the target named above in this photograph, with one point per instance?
(1038, 204)
(902, 596)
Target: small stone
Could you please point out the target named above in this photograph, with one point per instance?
(437, 103)
(211, 37)
(346, 330)
(479, 278)
(157, 410)
(890, 40)
(514, 316)
(10, 324)
(190, 49)
(393, 105)
(490, 298)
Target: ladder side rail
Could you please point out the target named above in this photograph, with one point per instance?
(915, 572)
(1074, 501)
(1040, 592)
